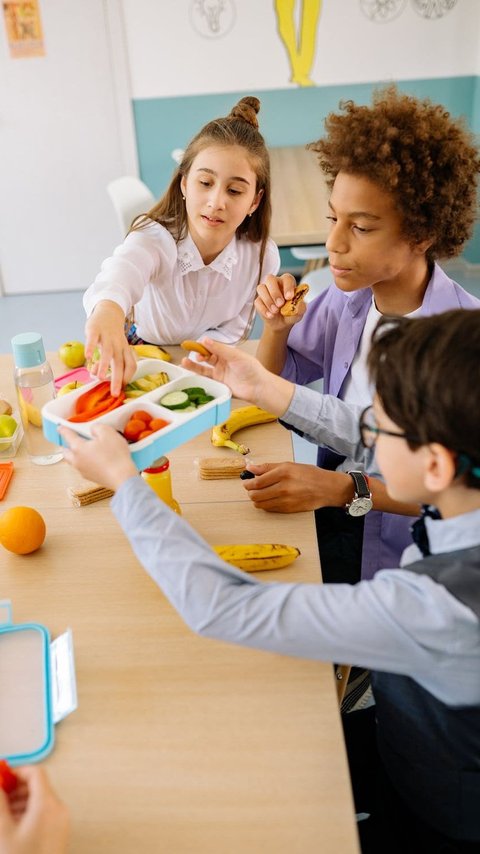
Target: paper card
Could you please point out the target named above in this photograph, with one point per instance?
(64, 686)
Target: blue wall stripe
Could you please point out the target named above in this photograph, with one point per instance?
(287, 117)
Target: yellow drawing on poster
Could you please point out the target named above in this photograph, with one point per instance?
(24, 28)
(301, 48)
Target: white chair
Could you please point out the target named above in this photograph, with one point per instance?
(177, 155)
(318, 280)
(314, 256)
(130, 197)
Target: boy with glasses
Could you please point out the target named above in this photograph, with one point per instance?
(416, 767)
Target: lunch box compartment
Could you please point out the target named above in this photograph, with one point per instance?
(183, 426)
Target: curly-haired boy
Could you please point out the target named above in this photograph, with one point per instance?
(403, 176)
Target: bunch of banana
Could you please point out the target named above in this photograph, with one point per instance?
(150, 351)
(147, 383)
(258, 556)
(244, 416)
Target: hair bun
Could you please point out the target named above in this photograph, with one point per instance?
(246, 109)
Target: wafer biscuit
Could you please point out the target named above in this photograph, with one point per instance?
(82, 496)
(220, 468)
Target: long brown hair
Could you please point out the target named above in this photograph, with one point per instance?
(240, 128)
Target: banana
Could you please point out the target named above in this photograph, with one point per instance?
(258, 556)
(157, 379)
(147, 383)
(29, 413)
(151, 351)
(244, 416)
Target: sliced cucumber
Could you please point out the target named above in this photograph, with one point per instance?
(175, 400)
(194, 391)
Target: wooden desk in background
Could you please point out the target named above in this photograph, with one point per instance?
(179, 744)
(299, 197)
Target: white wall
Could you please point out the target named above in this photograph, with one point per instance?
(169, 57)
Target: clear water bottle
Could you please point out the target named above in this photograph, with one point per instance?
(35, 386)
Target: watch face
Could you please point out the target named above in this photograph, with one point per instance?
(360, 506)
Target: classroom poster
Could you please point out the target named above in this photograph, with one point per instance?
(24, 28)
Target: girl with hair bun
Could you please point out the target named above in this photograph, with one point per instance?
(190, 266)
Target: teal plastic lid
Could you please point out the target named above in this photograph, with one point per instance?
(28, 349)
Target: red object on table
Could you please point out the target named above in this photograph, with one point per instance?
(81, 375)
(8, 780)
(6, 473)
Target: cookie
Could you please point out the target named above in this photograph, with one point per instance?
(196, 346)
(291, 306)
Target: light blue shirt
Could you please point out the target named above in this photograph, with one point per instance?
(400, 621)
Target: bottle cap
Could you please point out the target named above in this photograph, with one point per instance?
(162, 464)
(28, 349)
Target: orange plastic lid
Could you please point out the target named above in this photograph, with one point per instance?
(6, 473)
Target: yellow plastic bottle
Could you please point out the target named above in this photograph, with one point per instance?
(159, 479)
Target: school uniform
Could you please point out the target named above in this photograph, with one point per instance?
(417, 628)
(324, 344)
(175, 296)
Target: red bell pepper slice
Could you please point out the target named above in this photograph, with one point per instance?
(104, 407)
(90, 399)
(8, 780)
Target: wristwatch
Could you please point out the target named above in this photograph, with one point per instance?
(362, 500)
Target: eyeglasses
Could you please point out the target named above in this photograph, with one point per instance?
(369, 431)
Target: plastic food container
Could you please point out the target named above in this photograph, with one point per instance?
(183, 425)
(10, 444)
(38, 687)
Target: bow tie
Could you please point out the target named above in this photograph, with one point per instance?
(419, 531)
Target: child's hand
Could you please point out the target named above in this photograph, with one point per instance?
(244, 374)
(105, 459)
(32, 818)
(105, 329)
(294, 487)
(271, 296)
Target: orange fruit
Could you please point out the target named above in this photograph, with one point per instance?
(22, 530)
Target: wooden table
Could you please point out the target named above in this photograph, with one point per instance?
(179, 744)
(299, 197)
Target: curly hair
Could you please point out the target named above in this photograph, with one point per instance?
(416, 151)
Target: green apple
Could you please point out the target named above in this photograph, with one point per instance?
(72, 354)
(64, 389)
(8, 425)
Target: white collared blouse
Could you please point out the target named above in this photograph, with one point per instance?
(174, 294)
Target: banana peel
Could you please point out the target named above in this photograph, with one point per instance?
(244, 416)
(256, 557)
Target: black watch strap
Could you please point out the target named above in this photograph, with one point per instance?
(362, 488)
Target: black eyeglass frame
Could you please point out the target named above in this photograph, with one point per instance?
(379, 431)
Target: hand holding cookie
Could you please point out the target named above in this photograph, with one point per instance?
(278, 300)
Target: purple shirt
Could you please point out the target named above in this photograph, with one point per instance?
(323, 345)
